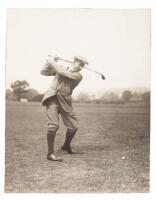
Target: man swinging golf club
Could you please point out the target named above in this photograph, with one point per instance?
(57, 100)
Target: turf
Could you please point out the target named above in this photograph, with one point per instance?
(106, 133)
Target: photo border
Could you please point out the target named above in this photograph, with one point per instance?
(82, 4)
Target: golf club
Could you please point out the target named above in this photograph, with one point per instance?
(102, 76)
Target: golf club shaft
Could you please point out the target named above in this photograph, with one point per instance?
(84, 66)
(65, 60)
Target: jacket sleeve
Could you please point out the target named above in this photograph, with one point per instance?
(62, 72)
(47, 70)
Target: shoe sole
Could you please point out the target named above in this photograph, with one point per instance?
(69, 152)
(58, 160)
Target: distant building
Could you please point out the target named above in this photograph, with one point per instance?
(23, 100)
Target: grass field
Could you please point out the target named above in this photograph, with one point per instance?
(106, 133)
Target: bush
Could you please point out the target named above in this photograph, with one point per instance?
(146, 97)
(126, 96)
(37, 98)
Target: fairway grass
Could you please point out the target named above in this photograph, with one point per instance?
(106, 134)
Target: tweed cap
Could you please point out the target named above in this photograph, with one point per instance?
(82, 59)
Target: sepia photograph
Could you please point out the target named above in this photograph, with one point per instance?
(77, 97)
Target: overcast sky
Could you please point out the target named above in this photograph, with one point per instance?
(116, 42)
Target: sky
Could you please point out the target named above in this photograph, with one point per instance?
(116, 42)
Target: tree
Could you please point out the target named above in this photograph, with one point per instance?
(146, 97)
(7, 93)
(126, 96)
(83, 98)
(37, 98)
(136, 97)
(10, 96)
(109, 97)
(32, 93)
(19, 87)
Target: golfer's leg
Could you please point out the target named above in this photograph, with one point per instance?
(53, 125)
(71, 122)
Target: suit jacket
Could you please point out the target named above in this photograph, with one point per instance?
(62, 85)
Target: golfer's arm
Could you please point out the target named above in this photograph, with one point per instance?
(48, 71)
(71, 75)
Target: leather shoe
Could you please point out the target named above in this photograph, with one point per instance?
(69, 150)
(53, 157)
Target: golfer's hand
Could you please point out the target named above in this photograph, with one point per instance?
(55, 57)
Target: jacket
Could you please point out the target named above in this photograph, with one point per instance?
(62, 85)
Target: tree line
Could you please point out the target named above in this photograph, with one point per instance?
(20, 90)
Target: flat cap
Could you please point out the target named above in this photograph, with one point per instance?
(82, 59)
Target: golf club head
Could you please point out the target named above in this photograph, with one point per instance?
(102, 76)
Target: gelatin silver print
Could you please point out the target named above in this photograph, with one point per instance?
(77, 100)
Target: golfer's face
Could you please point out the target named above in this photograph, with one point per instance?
(77, 65)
